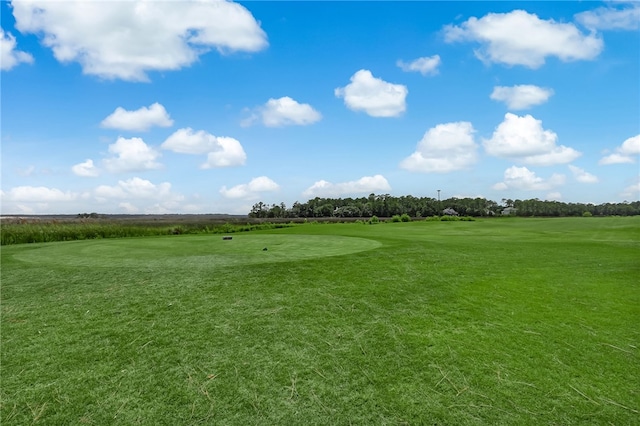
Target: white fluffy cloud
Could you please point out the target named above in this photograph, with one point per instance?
(632, 192)
(366, 185)
(524, 139)
(444, 148)
(521, 96)
(127, 39)
(85, 169)
(136, 194)
(521, 178)
(582, 176)
(134, 188)
(521, 38)
(39, 194)
(284, 111)
(133, 195)
(250, 190)
(131, 155)
(372, 95)
(141, 119)
(221, 151)
(9, 55)
(36, 199)
(610, 18)
(628, 152)
(427, 65)
(553, 196)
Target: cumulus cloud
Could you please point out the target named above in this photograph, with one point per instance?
(506, 38)
(553, 196)
(366, 184)
(129, 208)
(140, 120)
(39, 194)
(250, 190)
(521, 96)
(559, 155)
(628, 152)
(444, 148)
(129, 196)
(372, 95)
(626, 17)
(134, 188)
(131, 155)
(85, 169)
(615, 158)
(632, 192)
(521, 178)
(221, 151)
(36, 199)
(127, 39)
(427, 65)
(524, 139)
(136, 194)
(9, 55)
(582, 176)
(284, 111)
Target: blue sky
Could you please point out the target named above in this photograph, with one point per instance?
(210, 107)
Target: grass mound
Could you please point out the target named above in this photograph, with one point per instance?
(201, 252)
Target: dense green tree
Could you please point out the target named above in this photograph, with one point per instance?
(259, 210)
(385, 205)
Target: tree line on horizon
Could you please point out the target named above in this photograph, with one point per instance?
(385, 205)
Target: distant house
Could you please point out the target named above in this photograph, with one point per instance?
(509, 211)
(449, 212)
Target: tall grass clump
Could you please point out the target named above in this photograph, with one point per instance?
(456, 218)
(50, 231)
(401, 218)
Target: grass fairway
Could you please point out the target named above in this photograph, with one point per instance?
(514, 321)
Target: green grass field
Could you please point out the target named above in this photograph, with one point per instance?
(511, 321)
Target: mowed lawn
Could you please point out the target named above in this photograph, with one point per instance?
(501, 321)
